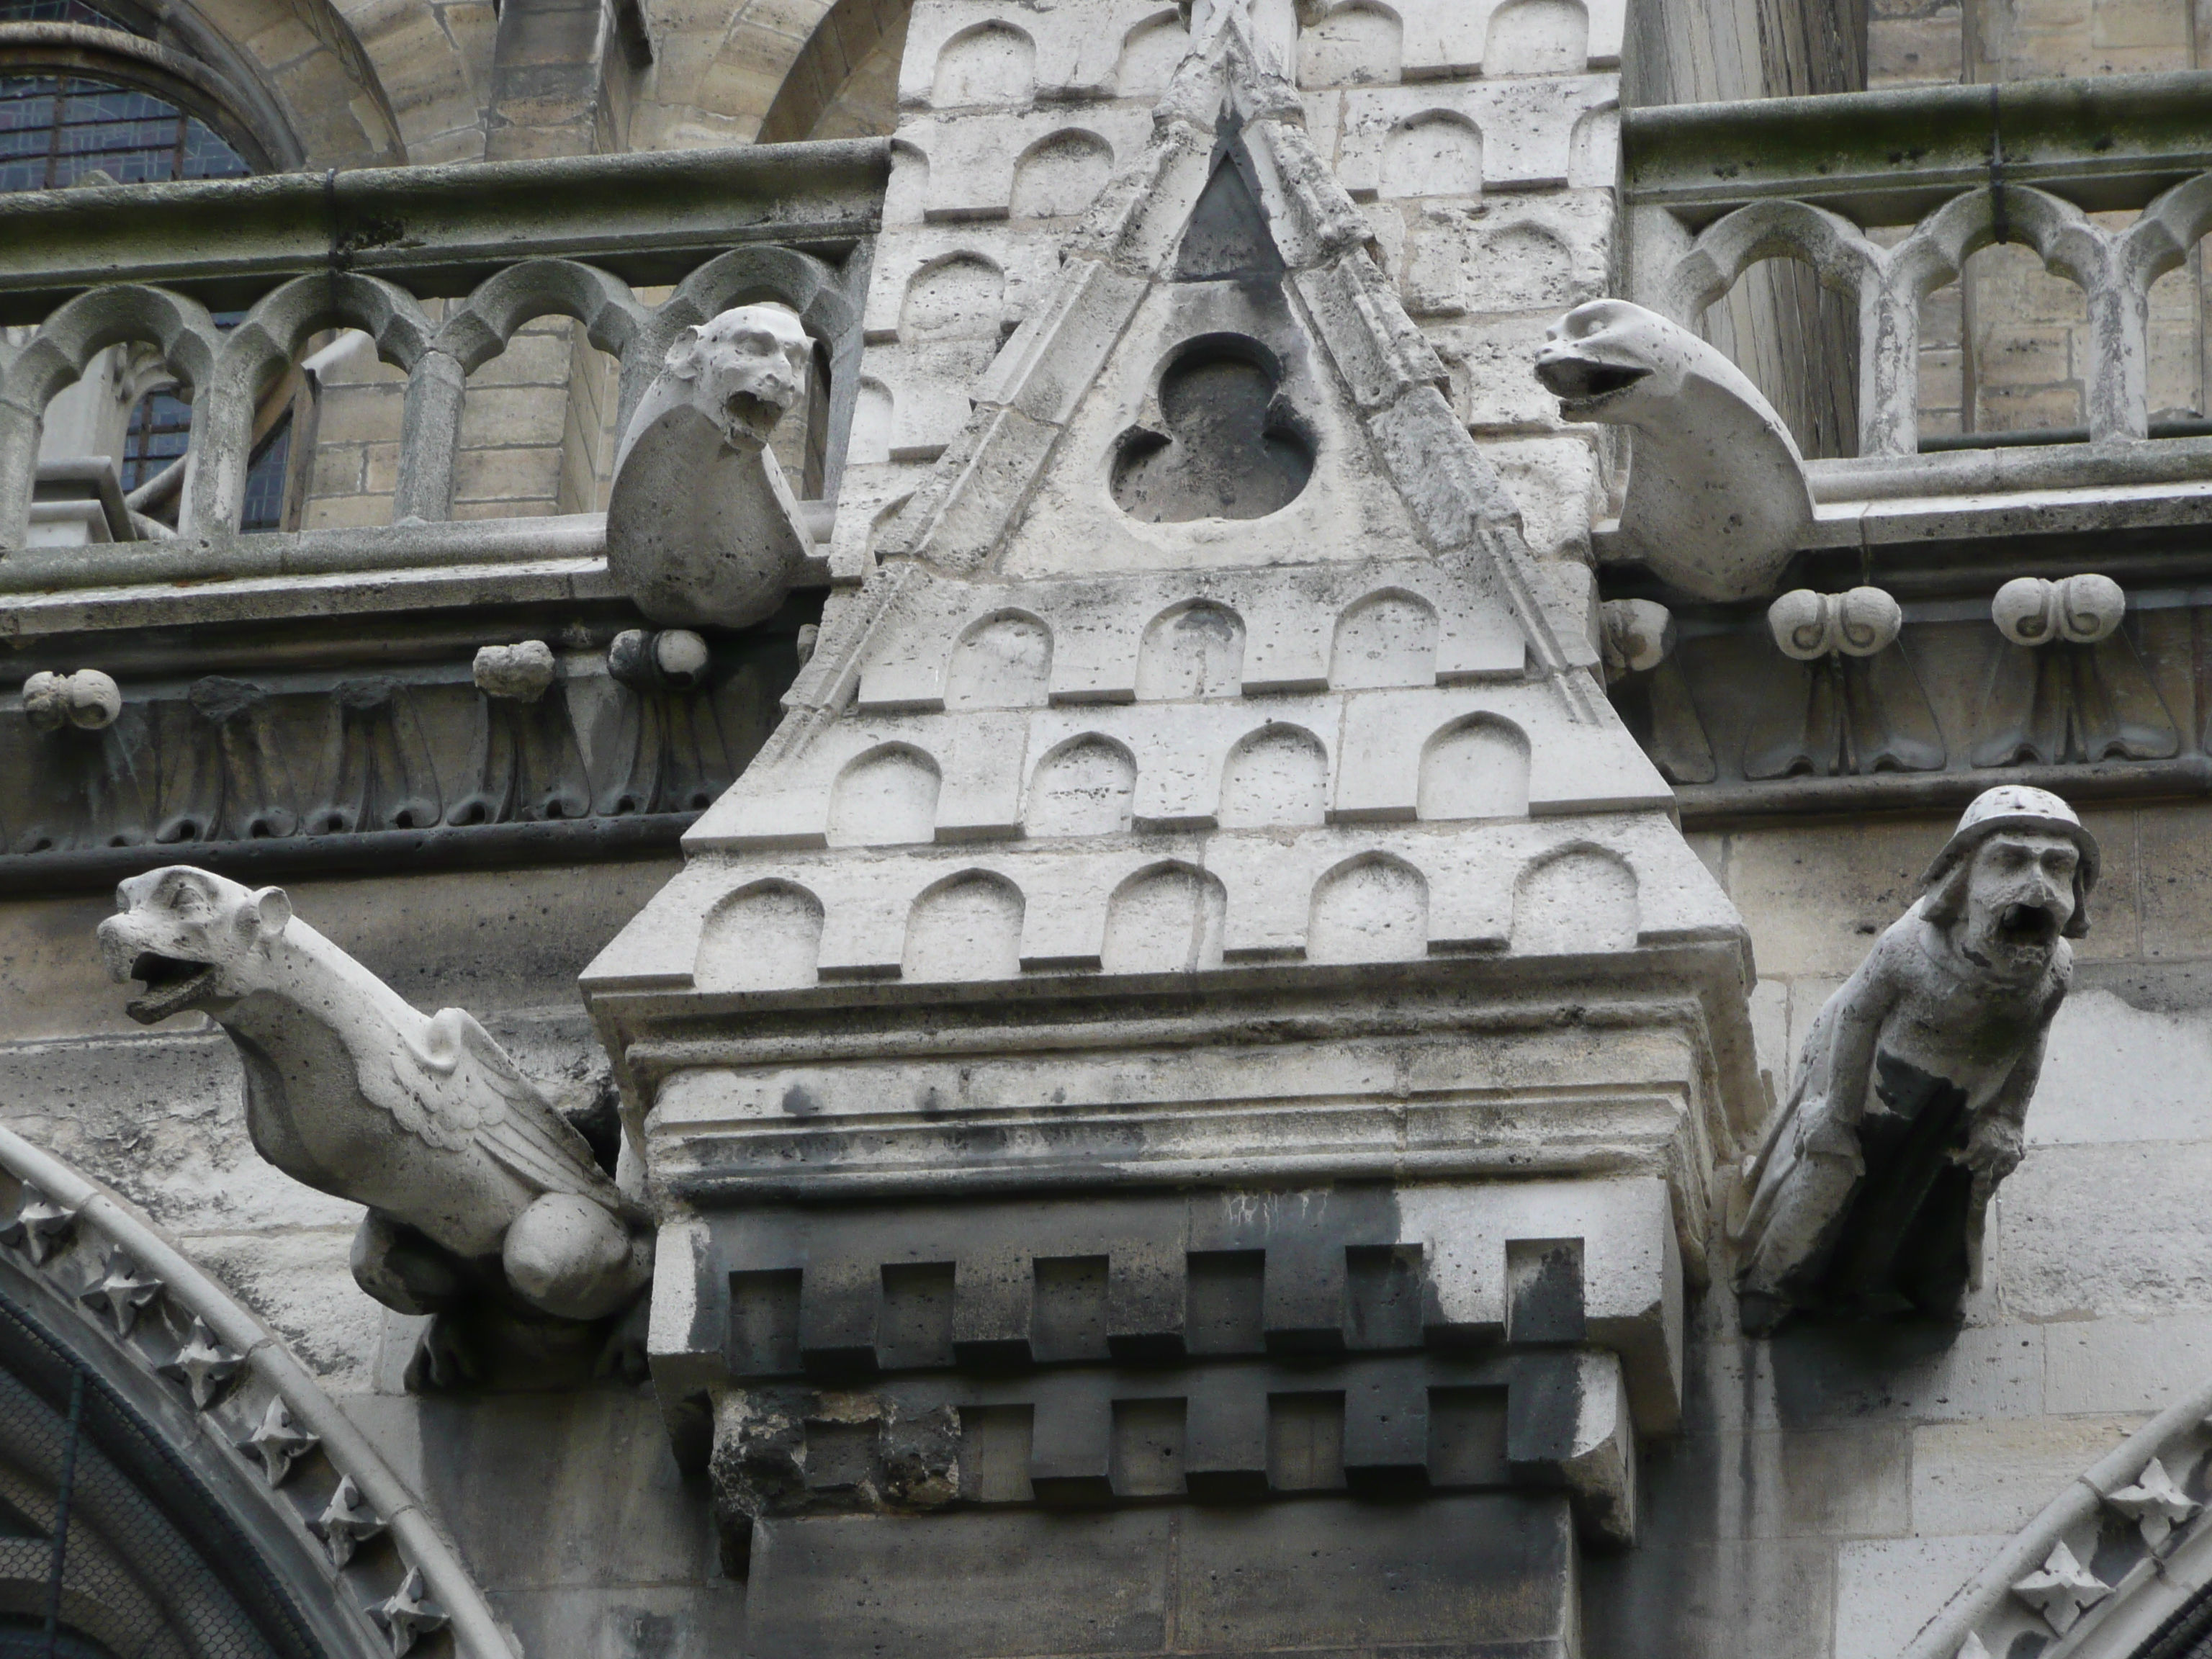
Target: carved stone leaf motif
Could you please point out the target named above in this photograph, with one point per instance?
(2155, 1503)
(277, 1445)
(527, 765)
(405, 1617)
(376, 766)
(204, 1366)
(671, 728)
(39, 1227)
(1657, 709)
(125, 1290)
(2063, 1591)
(1851, 715)
(346, 1522)
(232, 783)
(81, 789)
(2069, 701)
(1974, 1647)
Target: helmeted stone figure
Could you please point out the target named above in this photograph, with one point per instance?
(1870, 1191)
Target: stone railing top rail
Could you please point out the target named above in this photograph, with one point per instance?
(436, 229)
(1890, 157)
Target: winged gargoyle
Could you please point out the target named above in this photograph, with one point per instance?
(479, 1194)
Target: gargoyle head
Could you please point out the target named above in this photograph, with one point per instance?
(746, 367)
(191, 937)
(2013, 881)
(1594, 357)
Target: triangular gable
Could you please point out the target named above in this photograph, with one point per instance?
(1229, 156)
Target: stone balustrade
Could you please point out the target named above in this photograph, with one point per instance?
(503, 244)
(1834, 180)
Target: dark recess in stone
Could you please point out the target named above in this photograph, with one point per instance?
(1227, 238)
(1232, 448)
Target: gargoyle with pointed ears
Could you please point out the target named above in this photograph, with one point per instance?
(475, 1185)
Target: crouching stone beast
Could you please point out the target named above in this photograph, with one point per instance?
(485, 1207)
(701, 527)
(1717, 500)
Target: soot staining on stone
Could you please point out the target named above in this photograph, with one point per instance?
(1233, 447)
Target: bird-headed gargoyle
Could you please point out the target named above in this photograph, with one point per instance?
(1868, 1195)
(485, 1206)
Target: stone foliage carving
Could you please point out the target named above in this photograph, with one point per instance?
(1716, 500)
(521, 735)
(1870, 1191)
(483, 1201)
(701, 527)
(2070, 684)
(1860, 707)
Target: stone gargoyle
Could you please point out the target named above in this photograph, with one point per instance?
(701, 527)
(485, 1206)
(1868, 1194)
(1717, 500)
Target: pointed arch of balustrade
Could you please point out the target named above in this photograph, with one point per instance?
(2113, 269)
(268, 340)
(479, 329)
(58, 353)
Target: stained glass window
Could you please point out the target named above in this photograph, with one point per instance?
(56, 129)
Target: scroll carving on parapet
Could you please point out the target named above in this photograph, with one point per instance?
(1868, 1194)
(701, 527)
(1717, 500)
(1860, 707)
(2068, 685)
(486, 1208)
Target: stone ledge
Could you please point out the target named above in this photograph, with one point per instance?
(381, 852)
(647, 218)
(2110, 142)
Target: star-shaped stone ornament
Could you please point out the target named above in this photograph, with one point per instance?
(277, 1443)
(1974, 1647)
(126, 1290)
(2063, 1591)
(2155, 1503)
(39, 1227)
(346, 1522)
(203, 1366)
(404, 1617)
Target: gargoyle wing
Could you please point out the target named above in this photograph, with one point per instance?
(459, 1089)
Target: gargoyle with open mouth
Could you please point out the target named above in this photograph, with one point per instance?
(1868, 1194)
(479, 1194)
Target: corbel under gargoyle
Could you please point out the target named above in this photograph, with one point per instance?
(487, 1209)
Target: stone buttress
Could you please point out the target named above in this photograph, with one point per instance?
(1186, 1081)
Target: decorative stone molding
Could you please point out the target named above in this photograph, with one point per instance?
(87, 699)
(2036, 1585)
(1638, 633)
(1809, 626)
(191, 1315)
(2062, 1590)
(2080, 610)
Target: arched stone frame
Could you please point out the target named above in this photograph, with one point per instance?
(2155, 1564)
(285, 85)
(843, 37)
(59, 355)
(335, 1533)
